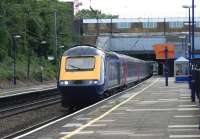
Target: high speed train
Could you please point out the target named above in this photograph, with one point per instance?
(88, 73)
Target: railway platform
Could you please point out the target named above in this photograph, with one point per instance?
(150, 110)
(25, 90)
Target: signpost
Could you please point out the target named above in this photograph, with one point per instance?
(166, 66)
(164, 52)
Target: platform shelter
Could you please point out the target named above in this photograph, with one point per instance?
(181, 69)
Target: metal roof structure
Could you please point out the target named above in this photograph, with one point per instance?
(135, 20)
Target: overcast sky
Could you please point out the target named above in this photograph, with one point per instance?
(141, 8)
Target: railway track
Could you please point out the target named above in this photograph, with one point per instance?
(14, 110)
(19, 132)
(18, 99)
(60, 113)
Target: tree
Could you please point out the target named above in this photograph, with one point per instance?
(86, 13)
(34, 21)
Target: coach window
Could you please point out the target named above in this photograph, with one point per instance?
(198, 24)
(123, 25)
(149, 25)
(176, 24)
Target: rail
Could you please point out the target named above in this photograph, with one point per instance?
(24, 98)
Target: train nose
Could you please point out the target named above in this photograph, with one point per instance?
(80, 94)
(79, 82)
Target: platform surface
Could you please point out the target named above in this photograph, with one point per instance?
(149, 111)
(25, 90)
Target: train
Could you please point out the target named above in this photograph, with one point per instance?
(88, 74)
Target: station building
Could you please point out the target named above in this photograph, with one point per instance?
(136, 36)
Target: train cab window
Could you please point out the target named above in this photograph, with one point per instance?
(80, 63)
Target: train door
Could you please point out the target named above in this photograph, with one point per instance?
(118, 72)
(110, 72)
(106, 71)
(124, 73)
(138, 69)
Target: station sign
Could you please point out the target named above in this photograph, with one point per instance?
(159, 50)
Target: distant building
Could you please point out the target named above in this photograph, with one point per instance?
(136, 36)
(140, 33)
(138, 25)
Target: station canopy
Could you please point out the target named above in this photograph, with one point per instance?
(181, 60)
(159, 50)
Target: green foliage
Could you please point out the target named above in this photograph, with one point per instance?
(33, 20)
(86, 13)
(6, 69)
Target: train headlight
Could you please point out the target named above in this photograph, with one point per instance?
(93, 82)
(66, 82)
(61, 83)
(90, 82)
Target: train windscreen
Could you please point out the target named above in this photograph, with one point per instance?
(80, 63)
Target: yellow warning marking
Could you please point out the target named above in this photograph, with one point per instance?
(81, 75)
(76, 131)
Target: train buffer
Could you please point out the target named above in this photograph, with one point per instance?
(151, 110)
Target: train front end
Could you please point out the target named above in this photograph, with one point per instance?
(81, 80)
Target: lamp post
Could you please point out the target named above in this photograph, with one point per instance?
(41, 60)
(97, 18)
(29, 61)
(192, 62)
(191, 50)
(189, 21)
(189, 37)
(60, 53)
(189, 42)
(61, 48)
(183, 44)
(14, 46)
(50, 58)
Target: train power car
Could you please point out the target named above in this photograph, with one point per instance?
(88, 73)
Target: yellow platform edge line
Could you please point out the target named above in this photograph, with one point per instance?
(76, 131)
